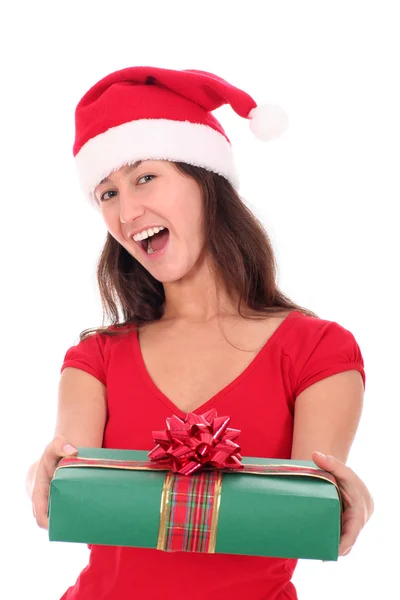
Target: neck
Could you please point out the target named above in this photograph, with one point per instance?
(197, 297)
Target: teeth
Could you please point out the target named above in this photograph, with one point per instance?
(142, 235)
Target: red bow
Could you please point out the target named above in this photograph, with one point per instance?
(197, 441)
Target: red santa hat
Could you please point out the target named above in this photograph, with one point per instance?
(143, 113)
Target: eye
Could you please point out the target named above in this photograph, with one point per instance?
(102, 197)
(144, 177)
(113, 192)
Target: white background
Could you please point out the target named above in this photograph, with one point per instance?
(327, 191)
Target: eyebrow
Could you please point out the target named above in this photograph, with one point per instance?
(129, 169)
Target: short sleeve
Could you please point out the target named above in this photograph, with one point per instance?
(330, 350)
(87, 355)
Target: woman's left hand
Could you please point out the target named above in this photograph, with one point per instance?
(358, 502)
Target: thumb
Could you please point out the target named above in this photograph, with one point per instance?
(332, 464)
(320, 459)
(326, 462)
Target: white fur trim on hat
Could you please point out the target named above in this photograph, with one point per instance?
(157, 139)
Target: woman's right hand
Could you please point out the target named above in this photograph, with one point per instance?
(57, 449)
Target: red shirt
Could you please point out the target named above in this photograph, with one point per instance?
(260, 401)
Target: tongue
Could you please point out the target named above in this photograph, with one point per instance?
(159, 240)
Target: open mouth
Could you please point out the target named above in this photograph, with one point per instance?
(155, 243)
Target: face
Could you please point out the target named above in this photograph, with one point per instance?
(155, 194)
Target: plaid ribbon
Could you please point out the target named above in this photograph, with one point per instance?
(190, 504)
(147, 465)
(189, 512)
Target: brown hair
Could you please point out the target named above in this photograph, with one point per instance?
(242, 256)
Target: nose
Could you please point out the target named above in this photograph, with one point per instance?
(130, 208)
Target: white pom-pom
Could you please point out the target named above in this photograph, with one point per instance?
(268, 122)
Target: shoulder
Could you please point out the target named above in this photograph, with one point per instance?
(319, 347)
(306, 337)
(94, 353)
(305, 327)
(104, 339)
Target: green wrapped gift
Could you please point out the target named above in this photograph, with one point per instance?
(269, 507)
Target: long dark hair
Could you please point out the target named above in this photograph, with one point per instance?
(241, 254)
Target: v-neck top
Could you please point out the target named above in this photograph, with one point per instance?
(210, 403)
(260, 402)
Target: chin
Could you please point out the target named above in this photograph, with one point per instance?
(168, 277)
(170, 273)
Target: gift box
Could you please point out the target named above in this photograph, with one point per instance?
(267, 507)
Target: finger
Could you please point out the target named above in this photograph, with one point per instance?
(56, 450)
(350, 533)
(330, 463)
(61, 447)
(40, 497)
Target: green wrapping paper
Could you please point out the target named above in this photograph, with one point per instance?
(260, 513)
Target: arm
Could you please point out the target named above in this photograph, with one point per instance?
(81, 419)
(327, 415)
(82, 408)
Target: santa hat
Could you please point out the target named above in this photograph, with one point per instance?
(143, 113)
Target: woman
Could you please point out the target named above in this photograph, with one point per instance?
(187, 280)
